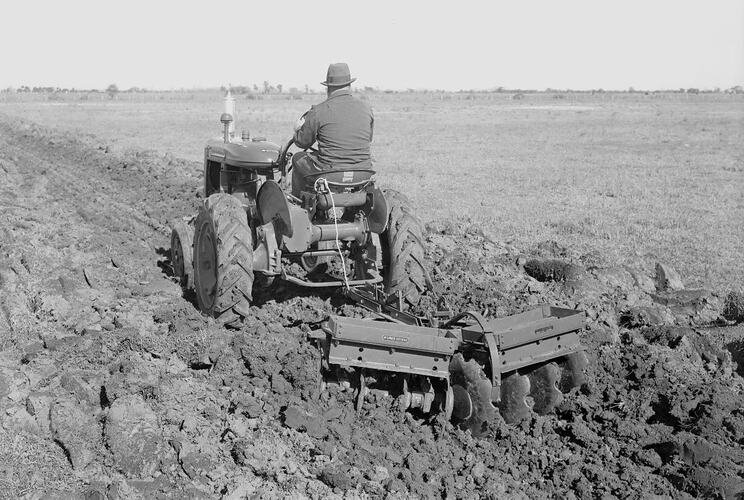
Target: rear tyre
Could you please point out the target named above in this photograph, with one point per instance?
(223, 259)
(403, 252)
(181, 253)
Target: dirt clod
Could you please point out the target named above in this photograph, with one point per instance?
(133, 436)
(733, 309)
(667, 278)
(76, 430)
(552, 270)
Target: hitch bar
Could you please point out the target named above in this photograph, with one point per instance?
(376, 278)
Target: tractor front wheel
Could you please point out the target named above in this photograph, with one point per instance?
(182, 238)
(223, 259)
(404, 273)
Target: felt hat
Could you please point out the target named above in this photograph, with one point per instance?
(338, 75)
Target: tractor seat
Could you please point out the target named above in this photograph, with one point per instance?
(341, 179)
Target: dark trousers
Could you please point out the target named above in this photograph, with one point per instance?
(303, 163)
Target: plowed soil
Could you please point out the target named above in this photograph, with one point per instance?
(113, 385)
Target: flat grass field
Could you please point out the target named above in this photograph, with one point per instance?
(629, 177)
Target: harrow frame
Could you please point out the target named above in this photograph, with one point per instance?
(399, 342)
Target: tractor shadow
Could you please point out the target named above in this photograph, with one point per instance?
(276, 290)
(166, 267)
(736, 349)
(265, 289)
(164, 262)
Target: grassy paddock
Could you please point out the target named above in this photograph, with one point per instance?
(630, 176)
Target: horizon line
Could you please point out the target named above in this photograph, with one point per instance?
(247, 89)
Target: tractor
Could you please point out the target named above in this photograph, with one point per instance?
(342, 231)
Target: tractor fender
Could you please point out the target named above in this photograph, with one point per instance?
(273, 206)
(290, 221)
(376, 210)
(302, 232)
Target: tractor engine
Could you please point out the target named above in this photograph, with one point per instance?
(239, 166)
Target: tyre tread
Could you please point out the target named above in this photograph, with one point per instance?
(406, 272)
(234, 257)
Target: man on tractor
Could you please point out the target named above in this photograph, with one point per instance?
(341, 125)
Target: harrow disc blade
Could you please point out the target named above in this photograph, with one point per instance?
(544, 388)
(573, 369)
(462, 406)
(472, 395)
(513, 404)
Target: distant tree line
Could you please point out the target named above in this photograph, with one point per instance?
(268, 88)
(499, 90)
(111, 89)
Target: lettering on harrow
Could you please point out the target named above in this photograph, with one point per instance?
(391, 338)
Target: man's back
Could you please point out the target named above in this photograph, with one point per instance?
(343, 126)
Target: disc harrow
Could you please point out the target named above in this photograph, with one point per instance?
(467, 367)
(475, 406)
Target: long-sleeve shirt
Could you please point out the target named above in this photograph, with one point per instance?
(342, 125)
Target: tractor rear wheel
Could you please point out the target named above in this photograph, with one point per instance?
(402, 244)
(223, 259)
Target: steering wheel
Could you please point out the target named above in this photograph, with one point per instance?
(285, 155)
(283, 159)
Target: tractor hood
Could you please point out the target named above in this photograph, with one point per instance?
(248, 153)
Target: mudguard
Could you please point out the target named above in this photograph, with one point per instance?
(299, 240)
(376, 210)
(291, 223)
(273, 206)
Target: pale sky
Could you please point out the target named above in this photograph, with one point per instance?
(463, 44)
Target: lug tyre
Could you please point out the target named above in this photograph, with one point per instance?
(223, 259)
(402, 245)
(181, 253)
